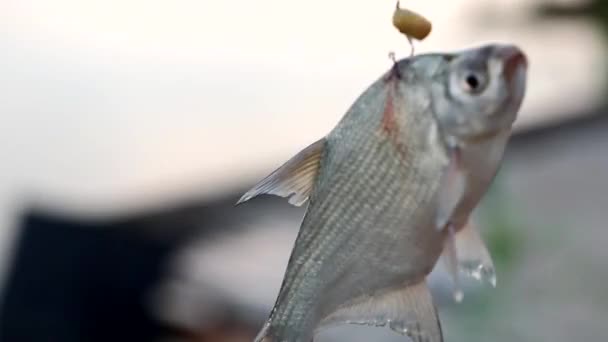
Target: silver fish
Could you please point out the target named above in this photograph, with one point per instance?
(390, 189)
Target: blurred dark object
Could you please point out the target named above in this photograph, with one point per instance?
(231, 329)
(92, 280)
(79, 281)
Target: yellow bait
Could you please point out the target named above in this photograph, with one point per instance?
(411, 24)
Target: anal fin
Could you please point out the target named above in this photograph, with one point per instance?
(408, 311)
(295, 178)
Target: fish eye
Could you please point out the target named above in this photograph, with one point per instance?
(473, 83)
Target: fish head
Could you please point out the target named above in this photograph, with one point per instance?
(478, 92)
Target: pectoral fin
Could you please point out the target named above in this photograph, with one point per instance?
(451, 190)
(473, 256)
(407, 311)
(467, 253)
(295, 178)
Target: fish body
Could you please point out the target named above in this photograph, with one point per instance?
(389, 189)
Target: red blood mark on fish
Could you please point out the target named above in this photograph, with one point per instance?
(389, 121)
(389, 125)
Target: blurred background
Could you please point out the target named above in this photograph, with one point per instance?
(129, 129)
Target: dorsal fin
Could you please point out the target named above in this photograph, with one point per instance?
(295, 178)
(407, 311)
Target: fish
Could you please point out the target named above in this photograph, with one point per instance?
(390, 191)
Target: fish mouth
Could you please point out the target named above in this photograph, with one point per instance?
(514, 62)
